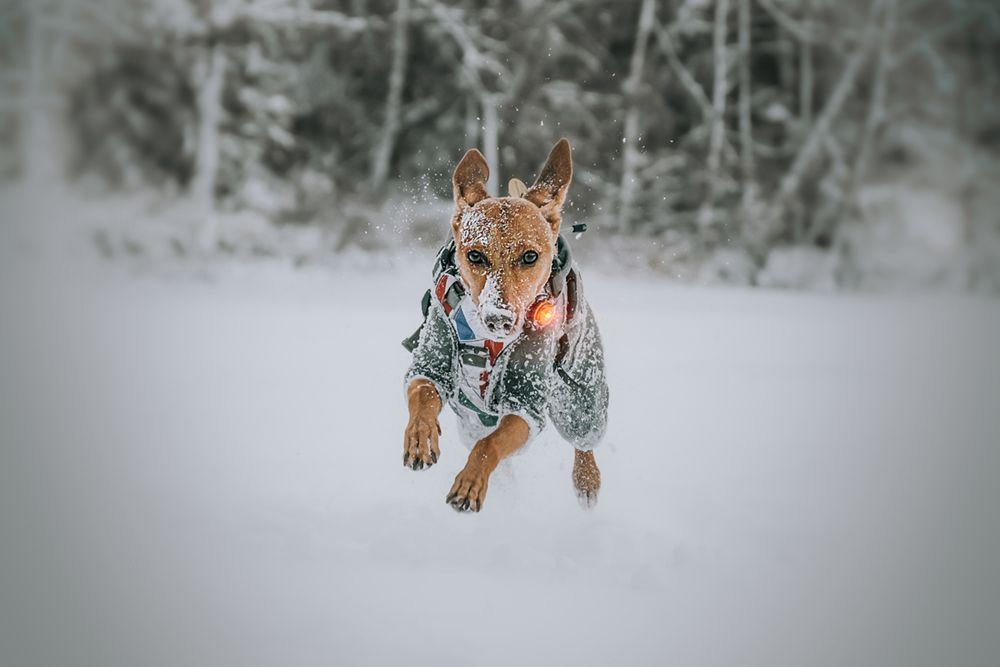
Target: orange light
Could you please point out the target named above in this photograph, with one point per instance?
(543, 314)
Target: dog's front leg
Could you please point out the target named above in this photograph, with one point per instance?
(420, 440)
(469, 490)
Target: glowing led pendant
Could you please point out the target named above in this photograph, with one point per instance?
(543, 313)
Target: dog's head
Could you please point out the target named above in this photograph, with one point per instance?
(504, 245)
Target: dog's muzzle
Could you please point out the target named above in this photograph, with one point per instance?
(500, 322)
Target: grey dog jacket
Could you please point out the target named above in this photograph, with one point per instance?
(556, 370)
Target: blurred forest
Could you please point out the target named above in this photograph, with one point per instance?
(813, 143)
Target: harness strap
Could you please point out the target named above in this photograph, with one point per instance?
(449, 295)
(562, 277)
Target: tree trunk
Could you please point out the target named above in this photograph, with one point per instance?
(631, 134)
(209, 117)
(394, 100)
(785, 48)
(39, 111)
(471, 121)
(746, 127)
(491, 140)
(806, 71)
(805, 85)
(706, 216)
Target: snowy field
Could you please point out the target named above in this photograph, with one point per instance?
(207, 472)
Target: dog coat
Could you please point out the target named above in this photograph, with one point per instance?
(555, 370)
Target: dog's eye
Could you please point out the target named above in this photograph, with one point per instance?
(529, 257)
(476, 257)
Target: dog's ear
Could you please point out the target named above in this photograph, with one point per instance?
(469, 179)
(549, 190)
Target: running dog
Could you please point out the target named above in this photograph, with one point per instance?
(507, 337)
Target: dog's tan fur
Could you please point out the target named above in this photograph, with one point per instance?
(502, 229)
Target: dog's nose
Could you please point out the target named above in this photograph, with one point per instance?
(499, 322)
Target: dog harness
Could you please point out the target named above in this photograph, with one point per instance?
(477, 352)
(481, 378)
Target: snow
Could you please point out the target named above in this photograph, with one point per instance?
(209, 472)
(476, 226)
(806, 267)
(492, 304)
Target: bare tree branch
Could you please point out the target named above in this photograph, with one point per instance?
(325, 18)
(807, 32)
(928, 39)
(665, 41)
(876, 111)
(801, 30)
(418, 112)
(694, 89)
(474, 59)
(807, 152)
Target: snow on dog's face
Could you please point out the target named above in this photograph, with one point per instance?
(504, 245)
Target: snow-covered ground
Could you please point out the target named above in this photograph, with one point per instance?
(208, 472)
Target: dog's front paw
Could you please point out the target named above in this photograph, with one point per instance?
(420, 443)
(469, 490)
(586, 478)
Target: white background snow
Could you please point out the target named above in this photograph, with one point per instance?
(207, 471)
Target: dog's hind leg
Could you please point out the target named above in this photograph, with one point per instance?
(586, 478)
(578, 405)
(579, 414)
